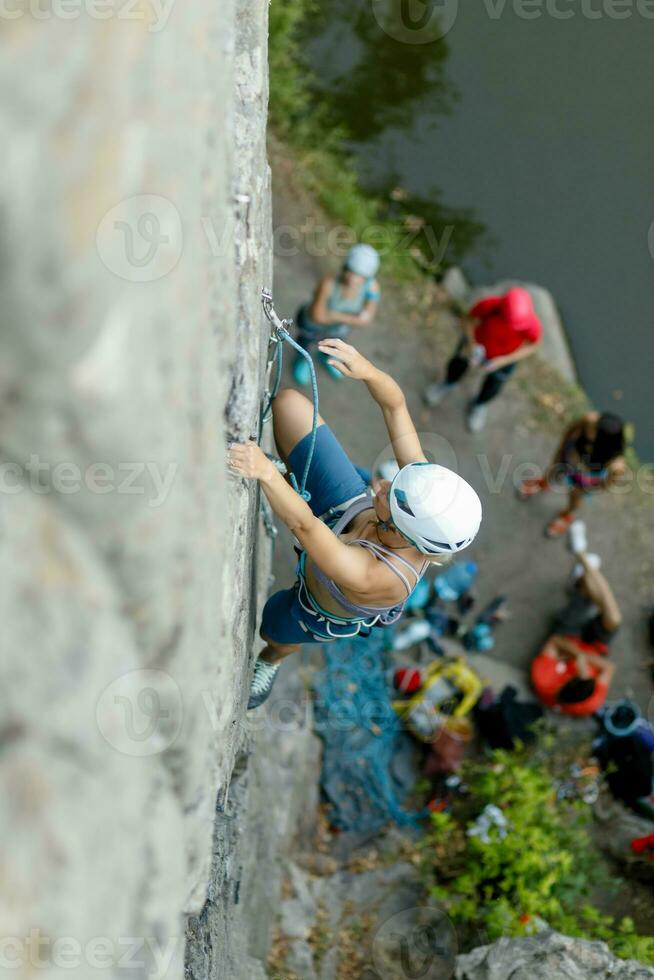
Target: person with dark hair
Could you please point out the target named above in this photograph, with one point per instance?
(361, 556)
(589, 459)
(498, 332)
(572, 673)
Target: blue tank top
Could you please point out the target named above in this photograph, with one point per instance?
(337, 303)
(386, 615)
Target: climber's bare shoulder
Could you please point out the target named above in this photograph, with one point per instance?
(362, 577)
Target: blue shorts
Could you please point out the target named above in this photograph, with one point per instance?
(333, 480)
(288, 619)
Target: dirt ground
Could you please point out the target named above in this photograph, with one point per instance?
(514, 557)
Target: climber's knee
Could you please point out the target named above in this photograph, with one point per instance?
(274, 652)
(292, 419)
(290, 400)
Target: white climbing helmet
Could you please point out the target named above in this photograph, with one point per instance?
(434, 508)
(363, 260)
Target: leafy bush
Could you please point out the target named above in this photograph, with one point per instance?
(543, 869)
(290, 95)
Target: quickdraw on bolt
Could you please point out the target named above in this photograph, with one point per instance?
(280, 333)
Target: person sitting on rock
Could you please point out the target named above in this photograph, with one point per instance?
(362, 555)
(498, 332)
(572, 673)
(349, 300)
(590, 458)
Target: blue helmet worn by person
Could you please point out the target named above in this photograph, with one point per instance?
(363, 260)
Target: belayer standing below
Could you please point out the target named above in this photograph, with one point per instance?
(361, 556)
(339, 304)
(590, 458)
(498, 332)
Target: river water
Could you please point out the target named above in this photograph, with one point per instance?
(544, 127)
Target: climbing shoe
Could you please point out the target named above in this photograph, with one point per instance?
(477, 417)
(434, 393)
(262, 683)
(301, 371)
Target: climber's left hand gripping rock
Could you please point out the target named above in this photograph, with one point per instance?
(248, 461)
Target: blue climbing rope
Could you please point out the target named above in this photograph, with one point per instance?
(279, 336)
(361, 736)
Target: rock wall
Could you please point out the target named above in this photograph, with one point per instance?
(135, 238)
(547, 956)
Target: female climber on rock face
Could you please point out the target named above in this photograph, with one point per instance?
(361, 556)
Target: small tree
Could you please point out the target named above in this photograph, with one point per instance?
(542, 867)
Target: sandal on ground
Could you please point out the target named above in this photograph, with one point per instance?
(529, 488)
(558, 527)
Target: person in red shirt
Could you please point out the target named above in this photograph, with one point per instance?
(498, 332)
(572, 673)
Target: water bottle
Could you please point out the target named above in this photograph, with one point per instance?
(415, 632)
(420, 595)
(455, 580)
(441, 623)
(484, 639)
(479, 639)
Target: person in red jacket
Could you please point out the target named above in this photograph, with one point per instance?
(498, 332)
(572, 673)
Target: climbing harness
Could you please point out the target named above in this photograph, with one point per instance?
(384, 616)
(278, 335)
(274, 354)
